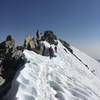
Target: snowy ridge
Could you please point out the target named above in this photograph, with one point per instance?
(92, 64)
(63, 77)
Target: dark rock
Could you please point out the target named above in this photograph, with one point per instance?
(65, 50)
(86, 66)
(65, 44)
(11, 59)
(20, 48)
(2, 45)
(2, 49)
(10, 42)
(7, 46)
(11, 64)
(8, 38)
(49, 36)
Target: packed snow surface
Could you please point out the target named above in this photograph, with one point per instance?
(63, 77)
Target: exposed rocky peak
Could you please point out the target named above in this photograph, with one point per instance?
(29, 43)
(49, 36)
(10, 58)
(7, 46)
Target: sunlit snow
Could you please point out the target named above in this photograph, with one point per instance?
(63, 77)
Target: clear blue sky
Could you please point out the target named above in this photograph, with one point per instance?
(76, 21)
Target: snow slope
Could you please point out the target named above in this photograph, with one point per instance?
(63, 77)
(92, 64)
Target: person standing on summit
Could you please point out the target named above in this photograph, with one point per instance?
(56, 49)
(38, 37)
(51, 52)
(37, 34)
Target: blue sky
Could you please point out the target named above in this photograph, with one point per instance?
(76, 21)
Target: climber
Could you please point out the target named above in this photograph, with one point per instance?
(37, 34)
(51, 52)
(43, 52)
(56, 49)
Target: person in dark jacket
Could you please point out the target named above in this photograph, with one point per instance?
(37, 34)
(56, 49)
(43, 53)
(51, 52)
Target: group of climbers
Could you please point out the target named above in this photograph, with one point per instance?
(37, 45)
(51, 52)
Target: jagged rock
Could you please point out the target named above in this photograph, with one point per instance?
(10, 64)
(7, 46)
(20, 48)
(11, 59)
(65, 44)
(29, 43)
(10, 44)
(49, 36)
(2, 49)
(18, 55)
(2, 45)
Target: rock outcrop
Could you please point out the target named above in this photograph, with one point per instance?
(65, 44)
(29, 43)
(10, 59)
(49, 36)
